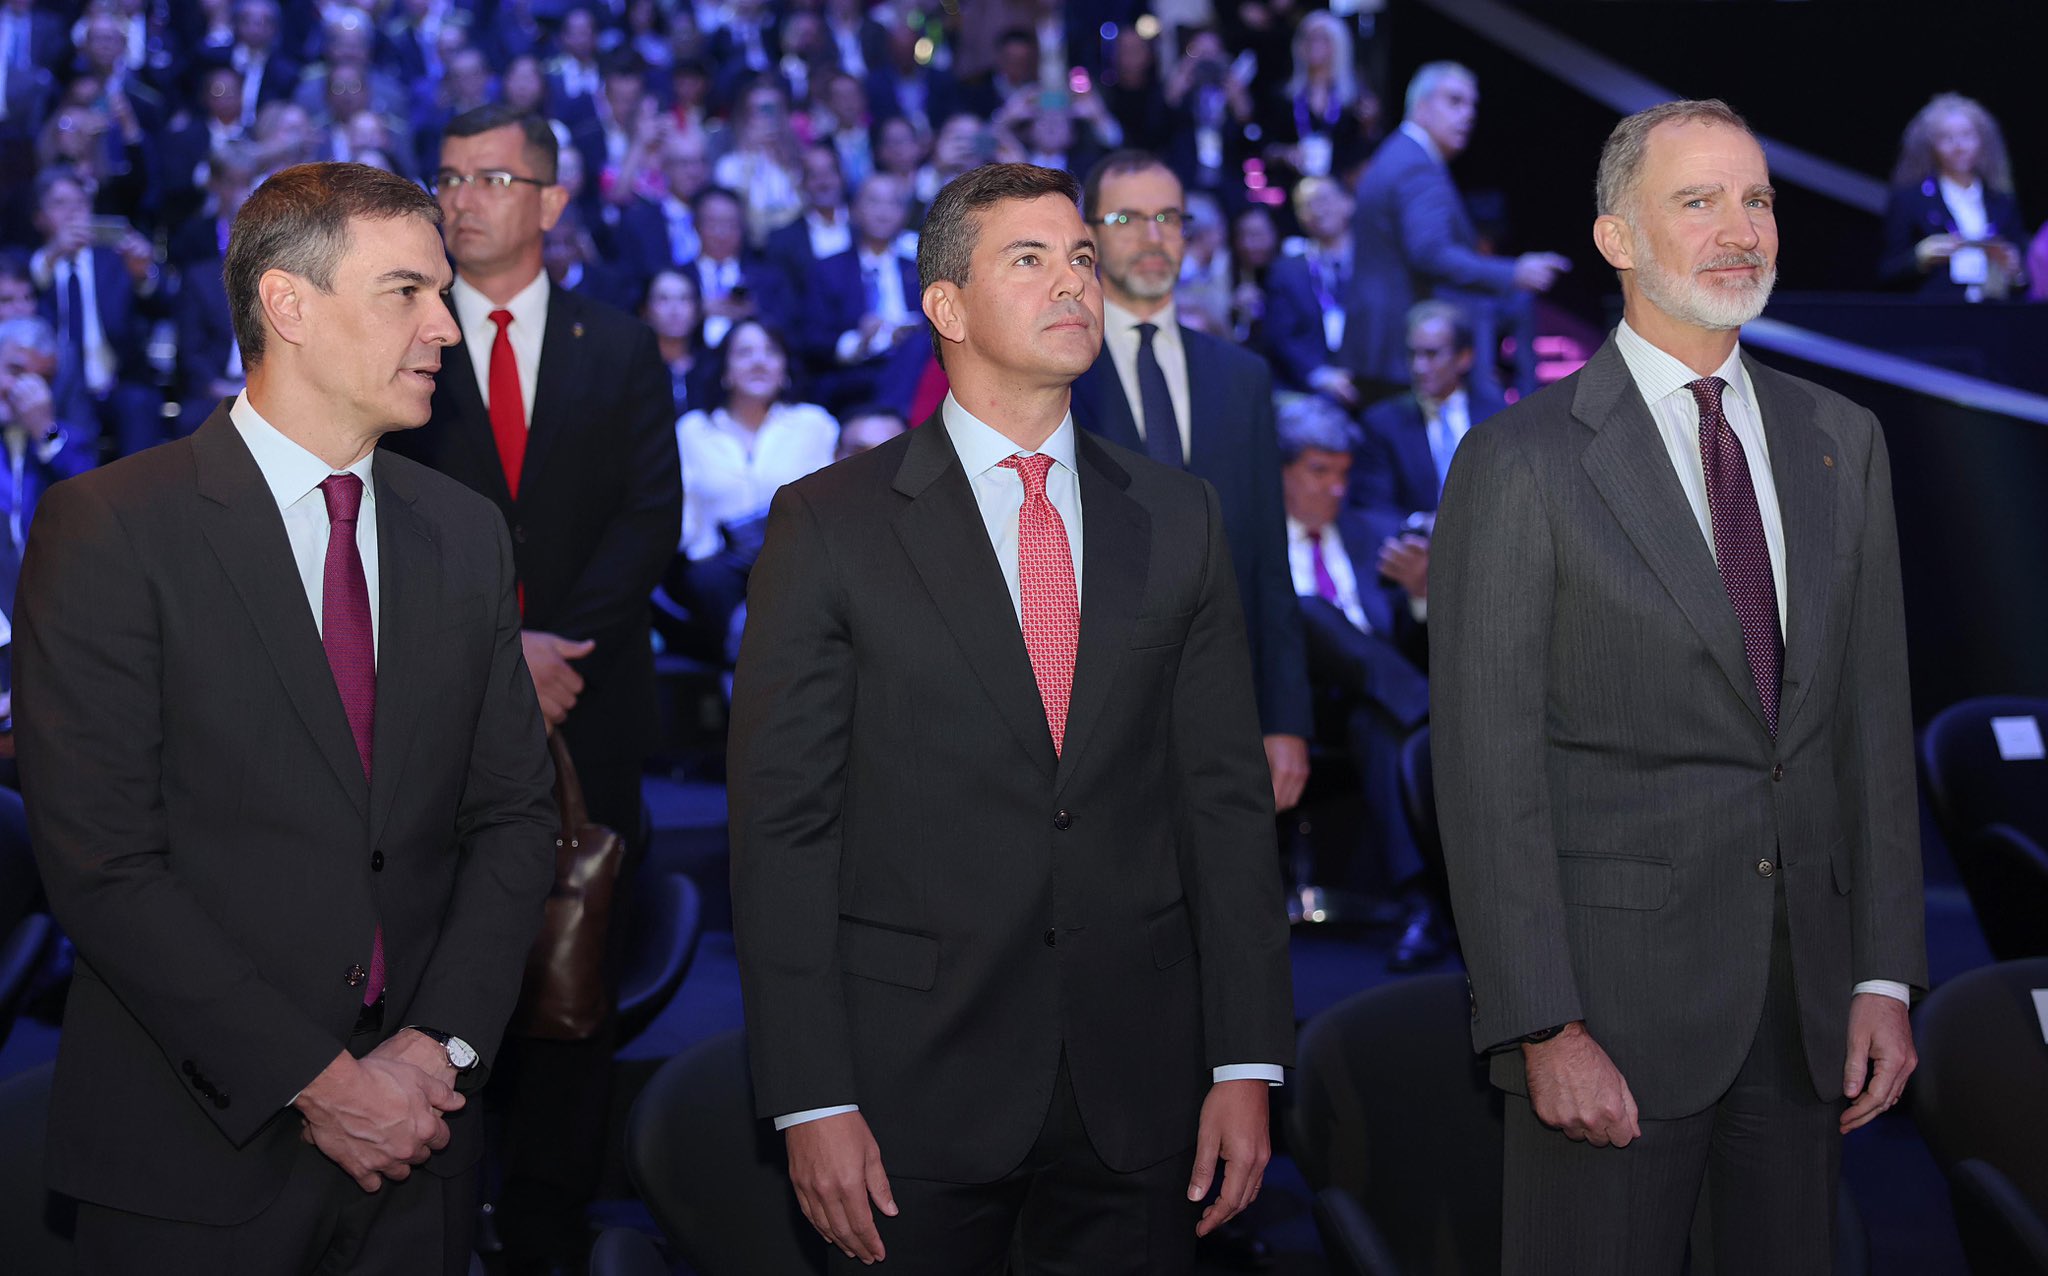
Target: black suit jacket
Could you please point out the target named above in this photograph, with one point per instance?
(597, 518)
(930, 904)
(837, 302)
(1295, 339)
(1393, 472)
(1233, 447)
(1912, 213)
(205, 830)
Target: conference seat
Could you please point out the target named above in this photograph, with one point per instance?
(35, 1223)
(663, 915)
(1975, 784)
(623, 1251)
(713, 1175)
(1980, 1098)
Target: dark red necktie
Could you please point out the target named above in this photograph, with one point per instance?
(1739, 548)
(508, 406)
(351, 646)
(1047, 593)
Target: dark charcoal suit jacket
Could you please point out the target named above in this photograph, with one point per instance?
(1605, 780)
(1230, 392)
(930, 905)
(1393, 472)
(205, 831)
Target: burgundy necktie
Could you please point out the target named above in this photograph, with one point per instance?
(1047, 592)
(351, 647)
(1326, 584)
(1739, 548)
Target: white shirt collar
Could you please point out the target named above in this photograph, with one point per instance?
(1119, 320)
(1659, 373)
(529, 306)
(1424, 140)
(982, 447)
(289, 470)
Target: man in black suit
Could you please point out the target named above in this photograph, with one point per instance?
(735, 284)
(1220, 401)
(1306, 296)
(1007, 911)
(826, 228)
(267, 75)
(562, 417)
(863, 333)
(286, 782)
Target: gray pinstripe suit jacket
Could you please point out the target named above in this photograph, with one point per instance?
(1606, 784)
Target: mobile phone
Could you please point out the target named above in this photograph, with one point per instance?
(107, 232)
(1053, 100)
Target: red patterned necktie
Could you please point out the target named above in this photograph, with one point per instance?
(1739, 548)
(1045, 587)
(351, 647)
(508, 405)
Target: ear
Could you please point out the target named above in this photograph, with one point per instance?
(1611, 236)
(283, 298)
(553, 199)
(942, 307)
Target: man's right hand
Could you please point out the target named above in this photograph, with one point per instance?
(554, 680)
(1576, 1088)
(836, 1168)
(1535, 272)
(376, 1118)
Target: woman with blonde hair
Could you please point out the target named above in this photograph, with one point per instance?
(1323, 120)
(1952, 224)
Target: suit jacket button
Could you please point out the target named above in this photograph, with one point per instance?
(1063, 821)
(1051, 938)
(376, 861)
(1777, 772)
(355, 977)
(220, 1100)
(1764, 868)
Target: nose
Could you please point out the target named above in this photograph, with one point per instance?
(440, 328)
(1738, 229)
(1073, 281)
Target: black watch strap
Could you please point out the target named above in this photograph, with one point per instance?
(1541, 1035)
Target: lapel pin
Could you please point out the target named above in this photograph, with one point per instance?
(576, 331)
(1827, 460)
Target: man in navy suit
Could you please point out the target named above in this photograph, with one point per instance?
(1306, 296)
(734, 283)
(826, 228)
(1193, 401)
(1413, 237)
(863, 330)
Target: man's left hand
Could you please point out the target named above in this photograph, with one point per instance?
(1881, 1057)
(421, 1051)
(1287, 759)
(1233, 1127)
(1404, 559)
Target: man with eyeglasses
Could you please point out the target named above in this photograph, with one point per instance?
(1201, 404)
(558, 408)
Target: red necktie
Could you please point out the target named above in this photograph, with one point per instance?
(351, 647)
(1045, 586)
(1739, 548)
(508, 406)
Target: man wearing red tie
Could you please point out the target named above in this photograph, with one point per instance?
(286, 780)
(1009, 919)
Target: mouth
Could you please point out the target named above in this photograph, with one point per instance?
(423, 376)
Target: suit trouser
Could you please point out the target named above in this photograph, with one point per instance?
(1061, 1213)
(1764, 1160)
(1386, 698)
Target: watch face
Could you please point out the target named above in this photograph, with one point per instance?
(461, 1054)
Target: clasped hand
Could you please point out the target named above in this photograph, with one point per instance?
(378, 1116)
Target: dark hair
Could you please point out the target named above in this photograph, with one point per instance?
(952, 226)
(298, 221)
(695, 335)
(622, 62)
(1017, 35)
(47, 180)
(721, 359)
(1308, 421)
(697, 201)
(1432, 310)
(542, 150)
(1127, 159)
(875, 409)
(14, 265)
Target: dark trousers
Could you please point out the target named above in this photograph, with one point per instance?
(1763, 1161)
(1061, 1213)
(321, 1222)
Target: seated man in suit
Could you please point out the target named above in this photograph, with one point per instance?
(1400, 462)
(734, 283)
(862, 330)
(44, 441)
(1359, 648)
(826, 228)
(1306, 296)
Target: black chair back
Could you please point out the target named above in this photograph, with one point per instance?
(713, 1175)
(2005, 873)
(35, 1223)
(621, 1251)
(1969, 783)
(2001, 1232)
(664, 917)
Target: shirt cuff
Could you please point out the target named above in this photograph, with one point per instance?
(813, 1114)
(1270, 1073)
(851, 348)
(1886, 988)
(1419, 608)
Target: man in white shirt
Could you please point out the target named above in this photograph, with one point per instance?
(863, 332)
(1673, 752)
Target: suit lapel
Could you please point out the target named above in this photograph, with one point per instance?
(467, 425)
(1632, 471)
(1803, 472)
(1116, 548)
(1099, 393)
(1416, 460)
(242, 524)
(943, 534)
(1206, 388)
(408, 597)
(561, 377)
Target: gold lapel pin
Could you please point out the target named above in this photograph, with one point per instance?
(1827, 460)
(576, 331)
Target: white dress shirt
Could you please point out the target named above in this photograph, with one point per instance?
(1446, 424)
(829, 239)
(1967, 266)
(529, 307)
(98, 356)
(1301, 565)
(999, 495)
(1120, 335)
(1662, 378)
(1424, 140)
(294, 476)
(891, 306)
(730, 472)
(715, 281)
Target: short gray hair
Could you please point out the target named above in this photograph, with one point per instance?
(1429, 77)
(1621, 159)
(1305, 421)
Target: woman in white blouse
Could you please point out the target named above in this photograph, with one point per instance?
(1952, 225)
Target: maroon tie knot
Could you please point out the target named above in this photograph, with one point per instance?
(1707, 393)
(344, 493)
(1032, 469)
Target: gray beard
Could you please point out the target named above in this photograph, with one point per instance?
(1686, 299)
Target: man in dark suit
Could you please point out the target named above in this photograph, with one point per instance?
(1414, 238)
(863, 333)
(1306, 296)
(297, 878)
(735, 284)
(1009, 929)
(826, 228)
(1674, 754)
(267, 75)
(1194, 401)
(562, 417)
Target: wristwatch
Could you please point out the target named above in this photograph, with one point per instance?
(1541, 1035)
(461, 1055)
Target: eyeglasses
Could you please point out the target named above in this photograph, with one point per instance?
(1167, 219)
(448, 181)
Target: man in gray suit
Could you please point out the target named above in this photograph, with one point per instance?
(1681, 847)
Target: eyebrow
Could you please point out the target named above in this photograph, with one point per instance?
(404, 276)
(1016, 244)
